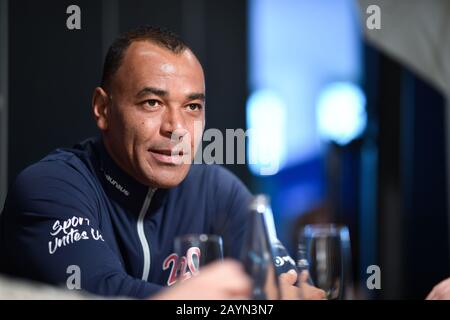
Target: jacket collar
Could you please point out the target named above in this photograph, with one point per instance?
(120, 186)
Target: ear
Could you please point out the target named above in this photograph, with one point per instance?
(100, 108)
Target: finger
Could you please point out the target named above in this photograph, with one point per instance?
(443, 294)
(430, 295)
(438, 289)
(309, 292)
(441, 286)
(246, 297)
(288, 278)
(238, 282)
(304, 276)
(230, 276)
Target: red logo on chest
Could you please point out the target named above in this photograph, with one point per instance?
(182, 268)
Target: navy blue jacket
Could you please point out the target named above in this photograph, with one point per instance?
(77, 207)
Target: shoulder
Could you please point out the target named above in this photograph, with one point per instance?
(59, 166)
(60, 176)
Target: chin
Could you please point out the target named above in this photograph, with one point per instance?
(165, 184)
(166, 179)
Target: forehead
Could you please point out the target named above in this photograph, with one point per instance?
(146, 64)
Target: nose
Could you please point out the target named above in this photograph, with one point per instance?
(173, 124)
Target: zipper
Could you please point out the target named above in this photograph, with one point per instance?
(141, 233)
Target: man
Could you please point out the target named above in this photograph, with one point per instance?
(110, 207)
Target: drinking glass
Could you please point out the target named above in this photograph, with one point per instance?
(195, 251)
(328, 252)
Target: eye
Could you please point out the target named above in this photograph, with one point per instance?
(194, 106)
(152, 103)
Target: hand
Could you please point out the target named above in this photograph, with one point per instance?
(287, 286)
(303, 291)
(218, 281)
(309, 292)
(441, 291)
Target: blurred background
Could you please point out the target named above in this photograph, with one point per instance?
(357, 117)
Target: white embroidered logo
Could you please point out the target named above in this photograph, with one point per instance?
(68, 232)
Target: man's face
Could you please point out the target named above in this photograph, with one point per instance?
(156, 96)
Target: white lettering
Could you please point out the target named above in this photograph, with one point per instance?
(74, 20)
(68, 232)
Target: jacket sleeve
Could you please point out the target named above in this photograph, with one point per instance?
(50, 233)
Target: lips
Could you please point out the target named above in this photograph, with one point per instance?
(168, 156)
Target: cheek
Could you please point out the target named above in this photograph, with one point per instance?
(148, 128)
(196, 131)
(140, 128)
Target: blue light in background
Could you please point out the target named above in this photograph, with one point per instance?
(266, 122)
(295, 48)
(341, 112)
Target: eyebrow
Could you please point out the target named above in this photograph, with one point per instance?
(151, 90)
(196, 96)
(162, 93)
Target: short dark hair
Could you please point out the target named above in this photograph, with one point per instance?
(157, 35)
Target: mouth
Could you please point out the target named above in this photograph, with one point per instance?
(168, 156)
